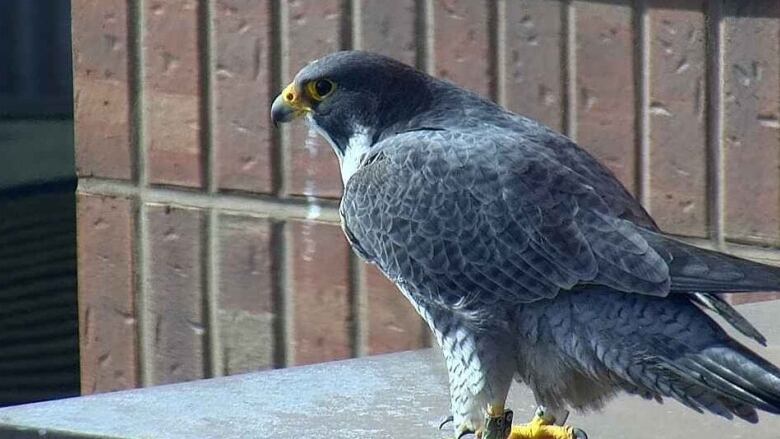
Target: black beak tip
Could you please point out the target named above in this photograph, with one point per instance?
(281, 112)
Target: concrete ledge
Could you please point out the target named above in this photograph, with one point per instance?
(400, 395)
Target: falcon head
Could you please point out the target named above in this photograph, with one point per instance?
(353, 94)
(357, 99)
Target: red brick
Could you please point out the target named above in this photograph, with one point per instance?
(107, 315)
(320, 293)
(243, 133)
(462, 43)
(678, 180)
(393, 325)
(389, 28)
(172, 92)
(245, 303)
(175, 296)
(313, 32)
(605, 84)
(534, 82)
(102, 108)
(752, 121)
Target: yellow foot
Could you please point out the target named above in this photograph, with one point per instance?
(542, 427)
(498, 425)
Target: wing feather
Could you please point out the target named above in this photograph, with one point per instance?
(470, 221)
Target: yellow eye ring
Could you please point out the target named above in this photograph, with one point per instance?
(320, 89)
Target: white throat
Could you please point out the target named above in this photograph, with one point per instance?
(356, 150)
(357, 147)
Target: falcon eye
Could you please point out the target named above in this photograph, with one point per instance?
(320, 89)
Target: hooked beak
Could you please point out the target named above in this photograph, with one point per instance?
(288, 105)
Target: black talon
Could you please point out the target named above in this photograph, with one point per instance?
(464, 433)
(579, 434)
(548, 418)
(446, 421)
(565, 417)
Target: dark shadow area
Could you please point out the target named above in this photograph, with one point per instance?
(38, 296)
(38, 312)
(35, 60)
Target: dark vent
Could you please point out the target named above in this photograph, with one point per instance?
(35, 60)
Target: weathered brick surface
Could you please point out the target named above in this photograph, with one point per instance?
(389, 28)
(316, 269)
(605, 85)
(677, 111)
(242, 91)
(752, 120)
(393, 325)
(320, 293)
(246, 298)
(314, 30)
(175, 307)
(462, 43)
(172, 92)
(101, 100)
(106, 277)
(533, 61)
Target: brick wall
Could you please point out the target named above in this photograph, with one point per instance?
(209, 241)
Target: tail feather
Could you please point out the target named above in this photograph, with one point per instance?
(734, 373)
(746, 370)
(697, 269)
(741, 409)
(719, 306)
(666, 347)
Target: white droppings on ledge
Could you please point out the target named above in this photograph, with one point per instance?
(313, 209)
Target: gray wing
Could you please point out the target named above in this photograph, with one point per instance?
(471, 220)
(477, 220)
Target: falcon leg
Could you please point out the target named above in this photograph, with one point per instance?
(479, 375)
(542, 426)
(498, 423)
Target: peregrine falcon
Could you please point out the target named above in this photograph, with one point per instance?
(526, 257)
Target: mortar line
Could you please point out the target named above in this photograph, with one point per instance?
(359, 303)
(288, 299)
(715, 165)
(142, 295)
(216, 362)
(424, 28)
(569, 54)
(497, 25)
(206, 89)
(279, 273)
(280, 61)
(140, 232)
(360, 323)
(642, 67)
(352, 25)
(265, 206)
(210, 267)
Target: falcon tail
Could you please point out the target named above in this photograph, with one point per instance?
(695, 269)
(742, 379)
(719, 306)
(659, 348)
